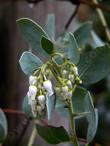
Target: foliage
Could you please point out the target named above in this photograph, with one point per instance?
(57, 84)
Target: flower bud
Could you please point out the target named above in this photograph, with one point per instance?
(75, 70)
(65, 72)
(71, 77)
(48, 86)
(65, 89)
(32, 92)
(32, 80)
(39, 109)
(69, 84)
(70, 93)
(57, 89)
(41, 99)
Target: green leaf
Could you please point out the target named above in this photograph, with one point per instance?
(82, 33)
(3, 126)
(82, 102)
(69, 47)
(47, 45)
(95, 40)
(92, 120)
(27, 107)
(60, 108)
(94, 65)
(50, 26)
(50, 103)
(32, 33)
(29, 63)
(73, 52)
(83, 105)
(53, 135)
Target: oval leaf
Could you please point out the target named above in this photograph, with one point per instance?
(3, 126)
(29, 63)
(53, 135)
(82, 33)
(32, 33)
(94, 65)
(69, 47)
(50, 26)
(47, 45)
(73, 52)
(82, 97)
(92, 118)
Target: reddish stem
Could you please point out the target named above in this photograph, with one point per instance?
(13, 111)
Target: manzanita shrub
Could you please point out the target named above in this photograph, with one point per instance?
(59, 83)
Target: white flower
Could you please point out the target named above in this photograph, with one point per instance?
(70, 93)
(65, 89)
(71, 77)
(41, 99)
(32, 92)
(32, 80)
(75, 70)
(65, 72)
(69, 84)
(48, 86)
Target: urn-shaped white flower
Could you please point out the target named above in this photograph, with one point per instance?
(48, 87)
(65, 89)
(41, 99)
(75, 70)
(32, 80)
(32, 92)
(69, 83)
(71, 77)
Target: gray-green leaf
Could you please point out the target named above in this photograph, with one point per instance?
(50, 103)
(50, 26)
(32, 33)
(73, 52)
(82, 102)
(29, 63)
(47, 45)
(94, 65)
(3, 126)
(53, 135)
(27, 107)
(82, 33)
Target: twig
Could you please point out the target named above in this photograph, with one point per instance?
(103, 21)
(32, 138)
(72, 122)
(72, 17)
(13, 111)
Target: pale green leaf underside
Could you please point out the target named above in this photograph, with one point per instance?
(32, 32)
(29, 63)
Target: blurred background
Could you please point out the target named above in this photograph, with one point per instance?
(13, 82)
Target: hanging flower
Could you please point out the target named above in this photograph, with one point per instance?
(32, 92)
(32, 80)
(48, 87)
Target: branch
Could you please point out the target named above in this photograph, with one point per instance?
(72, 17)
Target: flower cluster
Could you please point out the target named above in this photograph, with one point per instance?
(40, 85)
(68, 80)
(39, 88)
